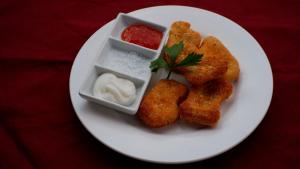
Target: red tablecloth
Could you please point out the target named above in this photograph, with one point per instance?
(40, 39)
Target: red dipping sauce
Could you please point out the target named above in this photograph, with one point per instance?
(142, 35)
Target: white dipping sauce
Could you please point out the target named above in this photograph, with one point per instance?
(112, 88)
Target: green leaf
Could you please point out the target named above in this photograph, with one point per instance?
(190, 60)
(174, 51)
(158, 63)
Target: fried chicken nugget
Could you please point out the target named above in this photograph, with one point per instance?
(176, 32)
(212, 46)
(202, 106)
(180, 31)
(160, 106)
(211, 67)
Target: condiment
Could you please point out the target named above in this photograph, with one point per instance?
(128, 62)
(118, 90)
(142, 35)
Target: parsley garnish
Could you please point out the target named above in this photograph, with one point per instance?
(173, 52)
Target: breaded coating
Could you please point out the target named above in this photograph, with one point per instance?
(176, 32)
(213, 65)
(180, 31)
(212, 46)
(202, 106)
(180, 27)
(210, 67)
(160, 106)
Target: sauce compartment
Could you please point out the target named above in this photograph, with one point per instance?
(86, 90)
(126, 58)
(123, 21)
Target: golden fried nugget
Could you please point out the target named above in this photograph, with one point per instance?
(191, 41)
(160, 106)
(202, 106)
(212, 46)
(214, 63)
(177, 30)
(180, 31)
(211, 66)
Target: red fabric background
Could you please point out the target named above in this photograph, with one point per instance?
(40, 39)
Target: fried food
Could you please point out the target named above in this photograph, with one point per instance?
(212, 46)
(202, 106)
(181, 31)
(210, 82)
(176, 32)
(211, 66)
(160, 106)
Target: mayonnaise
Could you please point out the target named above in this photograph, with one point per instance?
(112, 88)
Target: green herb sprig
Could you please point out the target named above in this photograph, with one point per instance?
(173, 52)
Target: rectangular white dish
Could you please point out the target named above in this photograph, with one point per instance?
(125, 60)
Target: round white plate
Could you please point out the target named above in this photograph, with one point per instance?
(180, 143)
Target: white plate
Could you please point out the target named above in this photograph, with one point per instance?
(180, 143)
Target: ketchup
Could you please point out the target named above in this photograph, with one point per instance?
(142, 35)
